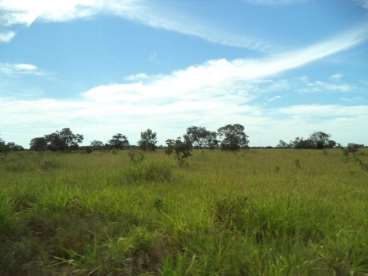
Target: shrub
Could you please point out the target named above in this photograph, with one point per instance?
(149, 172)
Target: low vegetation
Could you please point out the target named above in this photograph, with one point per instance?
(248, 212)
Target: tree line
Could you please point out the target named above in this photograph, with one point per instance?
(229, 137)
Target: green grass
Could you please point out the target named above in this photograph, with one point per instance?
(254, 212)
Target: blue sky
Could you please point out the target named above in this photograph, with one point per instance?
(282, 68)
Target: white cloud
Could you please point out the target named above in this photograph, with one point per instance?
(211, 94)
(19, 69)
(322, 86)
(336, 77)
(137, 77)
(27, 12)
(6, 37)
(333, 111)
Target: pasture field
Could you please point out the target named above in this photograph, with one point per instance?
(252, 212)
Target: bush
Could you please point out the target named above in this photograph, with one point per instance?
(149, 172)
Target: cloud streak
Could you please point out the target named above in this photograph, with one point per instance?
(18, 12)
(6, 37)
(212, 94)
(19, 69)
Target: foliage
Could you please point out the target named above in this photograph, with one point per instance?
(148, 140)
(119, 141)
(233, 137)
(38, 144)
(317, 140)
(200, 137)
(10, 146)
(182, 149)
(353, 148)
(61, 140)
(96, 145)
(149, 172)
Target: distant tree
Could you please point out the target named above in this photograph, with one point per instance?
(10, 146)
(182, 149)
(95, 144)
(63, 140)
(301, 143)
(200, 137)
(14, 147)
(119, 141)
(332, 144)
(148, 140)
(38, 144)
(321, 140)
(353, 147)
(233, 137)
(212, 141)
(3, 147)
(317, 140)
(282, 144)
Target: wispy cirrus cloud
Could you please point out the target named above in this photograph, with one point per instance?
(15, 12)
(194, 95)
(19, 69)
(6, 37)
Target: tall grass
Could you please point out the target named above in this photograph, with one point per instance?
(254, 212)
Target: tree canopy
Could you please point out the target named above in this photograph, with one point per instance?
(200, 137)
(119, 141)
(148, 140)
(233, 137)
(61, 140)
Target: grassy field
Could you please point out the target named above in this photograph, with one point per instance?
(254, 212)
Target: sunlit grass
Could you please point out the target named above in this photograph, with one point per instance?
(253, 212)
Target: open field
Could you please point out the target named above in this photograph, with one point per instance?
(253, 212)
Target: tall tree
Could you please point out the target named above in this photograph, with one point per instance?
(233, 137)
(200, 137)
(38, 144)
(320, 139)
(95, 144)
(317, 140)
(148, 140)
(3, 147)
(119, 141)
(282, 144)
(62, 140)
(182, 149)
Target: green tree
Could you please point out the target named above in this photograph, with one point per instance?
(282, 145)
(200, 137)
(95, 144)
(148, 140)
(3, 147)
(182, 149)
(320, 140)
(119, 141)
(63, 140)
(233, 137)
(38, 144)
